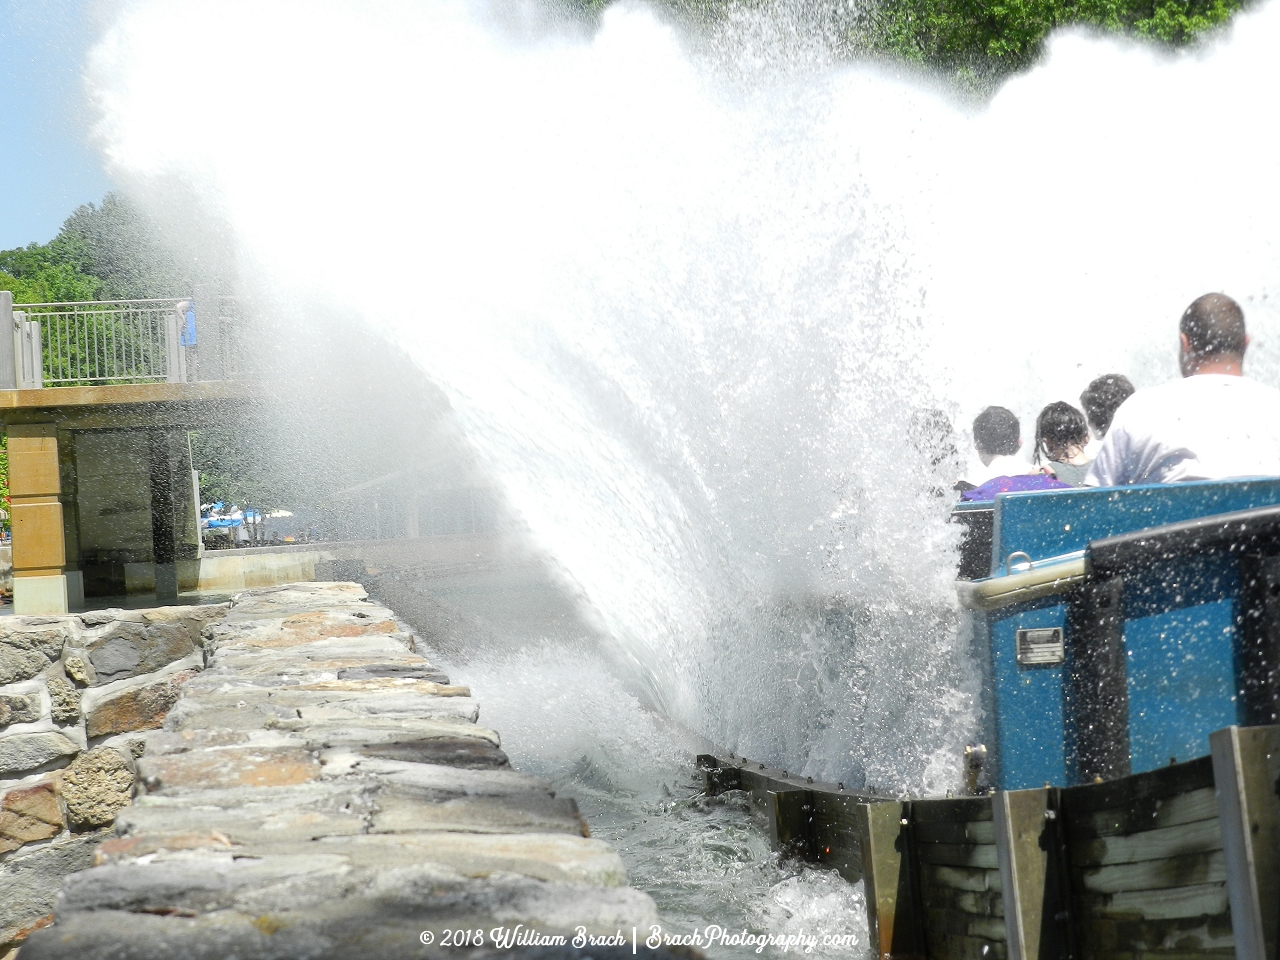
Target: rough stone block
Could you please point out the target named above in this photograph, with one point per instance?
(229, 767)
(79, 669)
(98, 783)
(554, 857)
(246, 815)
(451, 751)
(313, 705)
(65, 696)
(530, 813)
(128, 649)
(30, 813)
(419, 671)
(141, 707)
(28, 751)
(19, 708)
(26, 651)
(359, 928)
(32, 879)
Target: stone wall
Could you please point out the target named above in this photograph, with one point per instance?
(321, 790)
(76, 694)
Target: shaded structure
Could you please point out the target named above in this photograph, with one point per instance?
(104, 500)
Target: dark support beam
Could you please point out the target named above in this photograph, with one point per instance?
(791, 823)
(1097, 684)
(164, 547)
(1259, 639)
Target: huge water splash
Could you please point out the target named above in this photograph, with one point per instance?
(684, 313)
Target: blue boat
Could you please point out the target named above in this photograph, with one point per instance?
(1118, 627)
(1126, 800)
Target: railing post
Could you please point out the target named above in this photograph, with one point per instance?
(8, 340)
(30, 357)
(173, 349)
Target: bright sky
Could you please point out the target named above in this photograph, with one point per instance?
(47, 165)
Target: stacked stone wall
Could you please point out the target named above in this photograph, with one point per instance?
(77, 694)
(320, 790)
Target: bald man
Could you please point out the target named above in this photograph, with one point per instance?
(1212, 424)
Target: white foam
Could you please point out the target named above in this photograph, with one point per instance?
(684, 316)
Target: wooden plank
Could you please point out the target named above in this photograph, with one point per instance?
(980, 903)
(1201, 900)
(1147, 813)
(895, 925)
(960, 878)
(1111, 937)
(973, 831)
(1188, 838)
(955, 810)
(952, 947)
(1246, 763)
(1156, 874)
(941, 921)
(955, 855)
(1161, 784)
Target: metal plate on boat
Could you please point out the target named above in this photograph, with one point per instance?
(1040, 647)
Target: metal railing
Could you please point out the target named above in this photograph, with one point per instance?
(119, 341)
(104, 342)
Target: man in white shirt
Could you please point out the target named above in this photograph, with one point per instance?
(997, 436)
(1212, 424)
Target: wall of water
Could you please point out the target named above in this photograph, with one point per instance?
(684, 310)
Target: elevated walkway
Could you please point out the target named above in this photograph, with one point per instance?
(96, 400)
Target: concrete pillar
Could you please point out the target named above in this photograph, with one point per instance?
(39, 552)
(70, 519)
(8, 365)
(175, 533)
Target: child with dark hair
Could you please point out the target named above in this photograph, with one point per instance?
(1061, 436)
(997, 437)
(1102, 398)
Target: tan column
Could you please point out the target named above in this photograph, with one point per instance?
(39, 586)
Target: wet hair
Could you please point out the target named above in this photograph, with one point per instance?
(1059, 424)
(929, 431)
(1214, 325)
(996, 431)
(1102, 398)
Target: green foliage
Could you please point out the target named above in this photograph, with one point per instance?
(980, 41)
(975, 42)
(234, 469)
(103, 252)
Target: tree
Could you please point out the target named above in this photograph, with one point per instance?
(976, 43)
(980, 41)
(109, 251)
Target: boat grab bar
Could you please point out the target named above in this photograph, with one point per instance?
(1045, 578)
